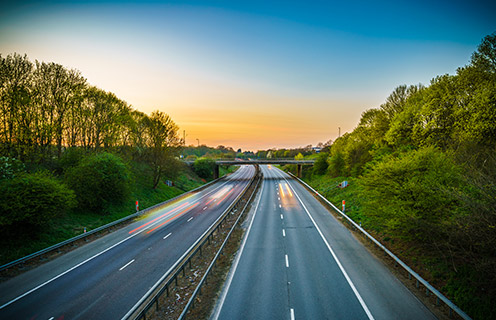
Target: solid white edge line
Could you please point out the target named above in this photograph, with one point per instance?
(236, 262)
(126, 316)
(359, 297)
(124, 266)
(98, 254)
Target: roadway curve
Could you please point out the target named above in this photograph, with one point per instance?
(298, 262)
(105, 278)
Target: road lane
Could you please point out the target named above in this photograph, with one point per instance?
(91, 281)
(327, 274)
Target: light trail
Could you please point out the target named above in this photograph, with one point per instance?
(158, 218)
(174, 217)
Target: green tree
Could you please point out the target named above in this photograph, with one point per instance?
(337, 165)
(413, 195)
(320, 166)
(100, 181)
(163, 145)
(204, 167)
(33, 199)
(16, 114)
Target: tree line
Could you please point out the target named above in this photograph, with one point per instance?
(46, 108)
(425, 168)
(67, 145)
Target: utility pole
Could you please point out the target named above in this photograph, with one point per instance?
(184, 137)
(339, 135)
(198, 141)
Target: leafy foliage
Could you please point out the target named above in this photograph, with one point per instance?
(425, 165)
(413, 195)
(204, 167)
(100, 181)
(320, 166)
(33, 199)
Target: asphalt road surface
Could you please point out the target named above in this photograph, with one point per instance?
(298, 262)
(104, 279)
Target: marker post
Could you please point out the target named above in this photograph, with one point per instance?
(343, 206)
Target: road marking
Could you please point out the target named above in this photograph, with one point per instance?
(282, 217)
(158, 218)
(205, 208)
(174, 217)
(280, 206)
(190, 219)
(96, 255)
(287, 262)
(167, 236)
(283, 233)
(292, 313)
(154, 287)
(348, 279)
(123, 267)
(236, 262)
(51, 318)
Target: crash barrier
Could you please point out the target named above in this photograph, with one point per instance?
(151, 298)
(419, 280)
(85, 235)
(191, 303)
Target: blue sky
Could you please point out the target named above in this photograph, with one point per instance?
(251, 74)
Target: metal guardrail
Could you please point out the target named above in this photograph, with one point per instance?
(151, 298)
(102, 228)
(428, 287)
(203, 280)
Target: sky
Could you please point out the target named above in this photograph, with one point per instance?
(251, 74)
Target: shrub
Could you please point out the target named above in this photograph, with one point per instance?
(414, 195)
(204, 167)
(33, 199)
(100, 181)
(320, 165)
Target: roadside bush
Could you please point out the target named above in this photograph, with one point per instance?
(100, 181)
(204, 167)
(10, 168)
(33, 199)
(320, 165)
(413, 196)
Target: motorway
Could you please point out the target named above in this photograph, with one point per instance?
(105, 278)
(298, 262)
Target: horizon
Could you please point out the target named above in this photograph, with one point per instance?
(250, 75)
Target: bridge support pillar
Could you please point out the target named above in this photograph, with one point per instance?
(216, 171)
(299, 170)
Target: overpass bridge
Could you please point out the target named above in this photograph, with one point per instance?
(224, 162)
